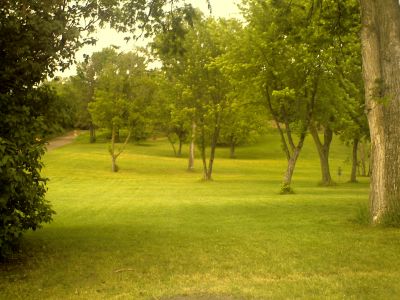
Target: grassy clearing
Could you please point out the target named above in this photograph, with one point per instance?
(155, 231)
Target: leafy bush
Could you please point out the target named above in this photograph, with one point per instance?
(22, 188)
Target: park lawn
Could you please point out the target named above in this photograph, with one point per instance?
(156, 231)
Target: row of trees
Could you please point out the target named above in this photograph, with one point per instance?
(292, 64)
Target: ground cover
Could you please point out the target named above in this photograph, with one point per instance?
(155, 231)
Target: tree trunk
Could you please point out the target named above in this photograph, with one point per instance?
(203, 154)
(172, 144)
(191, 148)
(380, 38)
(362, 160)
(232, 147)
(323, 152)
(179, 152)
(213, 146)
(287, 179)
(353, 176)
(232, 150)
(92, 132)
(114, 167)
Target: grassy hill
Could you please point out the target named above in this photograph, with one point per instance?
(155, 231)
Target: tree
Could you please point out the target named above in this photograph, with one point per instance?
(290, 60)
(242, 124)
(380, 39)
(35, 39)
(86, 79)
(120, 99)
(172, 116)
(337, 97)
(204, 85)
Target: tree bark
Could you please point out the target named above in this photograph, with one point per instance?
(191, 148)
(114, 167)
(203, 154)
(232, 149)
(353, 176)
(323, 152)
(287, 178)
(92, 133)
(179, 152)
(364, 157)
(172, 144)
(380, 38)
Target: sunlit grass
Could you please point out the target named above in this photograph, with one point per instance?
(155, 231)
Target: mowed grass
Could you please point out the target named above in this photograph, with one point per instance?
(156, 231)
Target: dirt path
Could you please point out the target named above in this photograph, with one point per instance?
(62, 140)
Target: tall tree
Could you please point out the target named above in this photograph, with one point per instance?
(290, 61)
(381, 70)
(172, 116)
(204, 85)
(121, 98)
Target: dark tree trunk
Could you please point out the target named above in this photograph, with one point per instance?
(232, 146)
(92, 133)
(203, 154)
(192, 148)
(179, 152)
(232, 150)
(363, 159)
(353, 176)
(172, 144)
(213, 146)
(287, 179)
(114, 167)
(323, 152)
(380, 38)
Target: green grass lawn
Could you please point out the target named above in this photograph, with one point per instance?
(156, 231)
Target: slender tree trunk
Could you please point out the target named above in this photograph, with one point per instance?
(192, 148)
(287, 179)
(353, 176)
(114, 167)
(179, 152)
(363, 159)
(381, 70)
(213, 146)
(323, 152)
(92, 132)
(232, 149)
(203, 154)
(172, 144)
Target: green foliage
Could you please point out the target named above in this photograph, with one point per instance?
(122, 93)
(201, 87)
(22, 187)
(62, 108)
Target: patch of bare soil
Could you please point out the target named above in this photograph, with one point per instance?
(62, 140)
